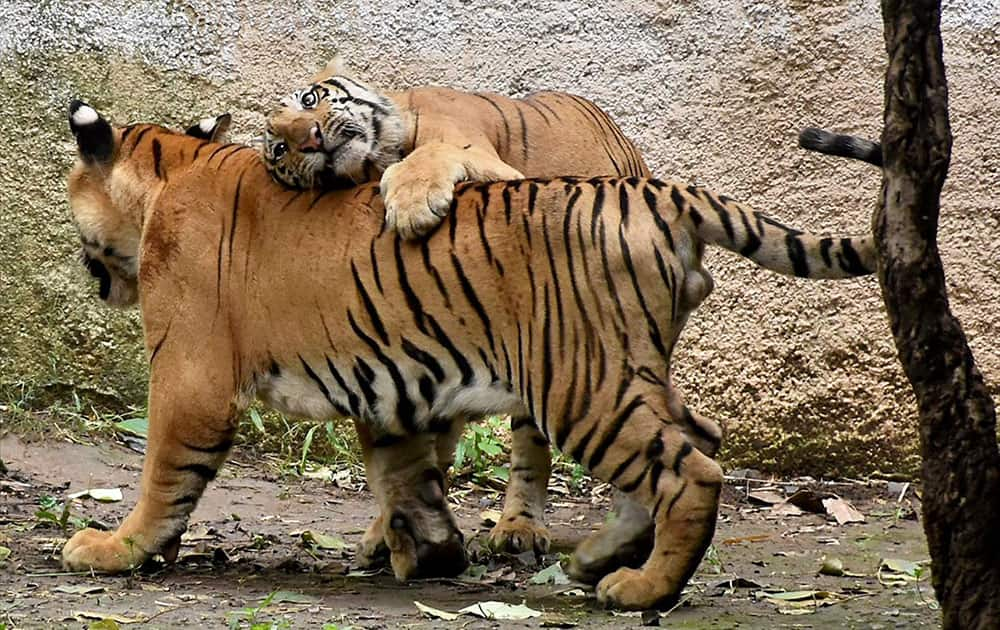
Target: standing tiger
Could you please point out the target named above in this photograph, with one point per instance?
(421, 142)
(557, 300)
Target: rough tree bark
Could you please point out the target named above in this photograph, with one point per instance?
(961, 462)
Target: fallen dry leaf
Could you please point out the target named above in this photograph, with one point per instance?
(843, 511)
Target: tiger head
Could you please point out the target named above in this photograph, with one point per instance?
(337, 129)
(100, 192)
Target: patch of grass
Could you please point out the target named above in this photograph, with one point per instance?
(63, 411)
(55, 512)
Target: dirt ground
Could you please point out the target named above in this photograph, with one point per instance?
(244, 544)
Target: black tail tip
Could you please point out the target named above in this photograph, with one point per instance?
(815, 139)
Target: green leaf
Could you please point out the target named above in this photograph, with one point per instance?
(4, 553)
(459, 455)
(306, 445)
(501, 472)
(323, 541)
(138, 427)
(553, 574)
(256, 420)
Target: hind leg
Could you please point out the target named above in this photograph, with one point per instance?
(521, 527)
(627, 538)
(372, 550)
(419, 530)
(656, 465)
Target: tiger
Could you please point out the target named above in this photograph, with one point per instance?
(339, 130)
(557, 300)
(420, 142)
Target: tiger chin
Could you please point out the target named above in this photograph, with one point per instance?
(570, 324)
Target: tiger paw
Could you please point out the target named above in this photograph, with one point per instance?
(90, 549)
(412, 557)
(518, 534)
(372, 551)
(633, 589)
(417, 195)
(623, 541)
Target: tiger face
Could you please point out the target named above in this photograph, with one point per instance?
(336, 129)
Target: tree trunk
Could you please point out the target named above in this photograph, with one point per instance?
(958, 439)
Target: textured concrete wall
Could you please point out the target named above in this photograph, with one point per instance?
(803, 375)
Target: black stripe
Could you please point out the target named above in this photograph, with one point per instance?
(538, 110)
(651, 323)
(232, 225)
(698, 429)
(322, 387)
(609, 280)
(797, 255)
(556, 291)
(597, 207)
(682, 453)
(187, 499)
(404, 406)
(365, 376)
(207, 473)
(473, 299)
(375, 272)
(623, 203)
(139, 138)
(424, 358)
(157, 158)
(622, 467)
(412, 301)
(457, 357)
(431, 269)
(524, 136)
(532, 197)
(849, 259)
(546, 366)
(218, 265)
(655, 470)
(667, 275)
(369, 307)
(677, 496)
(503, 118)
(236, 150)
(159, 344)
(221, 447)
(427, 389)
(352, 398)
(611, 434)
(580, 448)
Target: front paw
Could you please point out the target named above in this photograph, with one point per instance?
(517, 534)
(417, 197)
(90, 549)
(372, 551)
(633, 589)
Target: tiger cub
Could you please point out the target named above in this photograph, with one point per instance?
(555, 300)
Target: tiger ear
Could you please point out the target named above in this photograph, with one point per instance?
(212, 128)
(336, 66)
(94, 137)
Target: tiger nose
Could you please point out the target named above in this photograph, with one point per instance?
(314, 141)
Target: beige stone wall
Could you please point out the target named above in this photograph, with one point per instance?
(802, 374)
